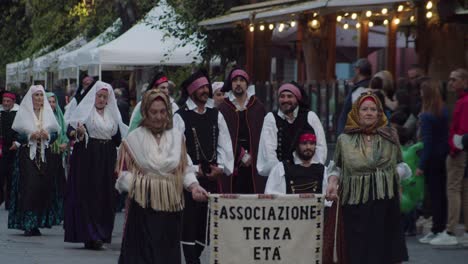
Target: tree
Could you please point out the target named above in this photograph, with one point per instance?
(225, 44)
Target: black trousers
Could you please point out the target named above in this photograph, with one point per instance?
(435, 174)
(6, 174)
(194, 229)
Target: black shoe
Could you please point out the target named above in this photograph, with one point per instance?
(36, 232)
(94, 245)
(32, 232)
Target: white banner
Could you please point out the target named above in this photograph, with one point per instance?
(266, 229)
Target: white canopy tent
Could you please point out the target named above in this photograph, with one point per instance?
(68, 63)
(48, 62)
(143, 44)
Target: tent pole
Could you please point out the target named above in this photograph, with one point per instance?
(6, 81)
(100, 72)
(77, 76)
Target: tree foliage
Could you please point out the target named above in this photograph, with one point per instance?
(34, 27)
(224, 44)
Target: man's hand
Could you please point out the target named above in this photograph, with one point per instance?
(198, 193)
(332, 188)
(215, 172)
(13, 147)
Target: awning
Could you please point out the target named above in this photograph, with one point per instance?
(42, 63)
(280, 12)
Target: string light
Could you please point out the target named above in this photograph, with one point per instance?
(271, 26)
(429, 5)
(400, 8)
(262, 27)
(346, 14)
(384, 11)
(396, 21)
(429, 14)
(281, 27)
(368, 13)
(412, 19)
(338, 18)
(315, 14)
(346, 26)
(358, 25)
(314, 24)
(385, 22)
(251, 28)
(293, 23)
(353, 16)
(371, 24)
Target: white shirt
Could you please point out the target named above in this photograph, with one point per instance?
(232, 98)
(276, 183)
(267, 158)
(225, 154)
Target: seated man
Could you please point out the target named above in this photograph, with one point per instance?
(304, 176)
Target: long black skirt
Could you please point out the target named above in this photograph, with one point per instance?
(374, 233)
(90, 197)
(33, 194)
(151, 237)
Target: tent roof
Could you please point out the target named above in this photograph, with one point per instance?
(72, 59)
(143, 44)
(42, 63)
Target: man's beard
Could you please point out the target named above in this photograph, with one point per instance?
(238, 92)
(305, 155)
(290, 109)
(200, 98)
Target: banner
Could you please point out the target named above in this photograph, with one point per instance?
(266, 229)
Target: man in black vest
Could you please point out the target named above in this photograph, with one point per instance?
(209, 146)
(301, 176)
(7, 147)
(281, 130)
(244, 115)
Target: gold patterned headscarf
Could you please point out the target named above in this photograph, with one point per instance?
(148, 99)
(353, 124)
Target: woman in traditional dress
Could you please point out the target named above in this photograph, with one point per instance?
(33, 190)
(57, 155)
(96, 127)
(366, 159)
(159, 83)
(157, 168)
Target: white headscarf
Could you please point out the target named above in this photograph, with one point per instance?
(86, 108)
(27, 123)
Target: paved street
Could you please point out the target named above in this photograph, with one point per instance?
(50, 248)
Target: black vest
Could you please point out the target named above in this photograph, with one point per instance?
(289, 133)
(300, 179)
(201, 134)
(201, 139)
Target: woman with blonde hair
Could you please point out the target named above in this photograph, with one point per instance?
(434, 133)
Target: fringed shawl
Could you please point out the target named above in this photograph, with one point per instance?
(366, 176)
(158, 169)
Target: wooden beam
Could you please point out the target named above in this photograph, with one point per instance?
(391, 47)
(363, 40)
(301, 26)
(331, 47)
(249, 51)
